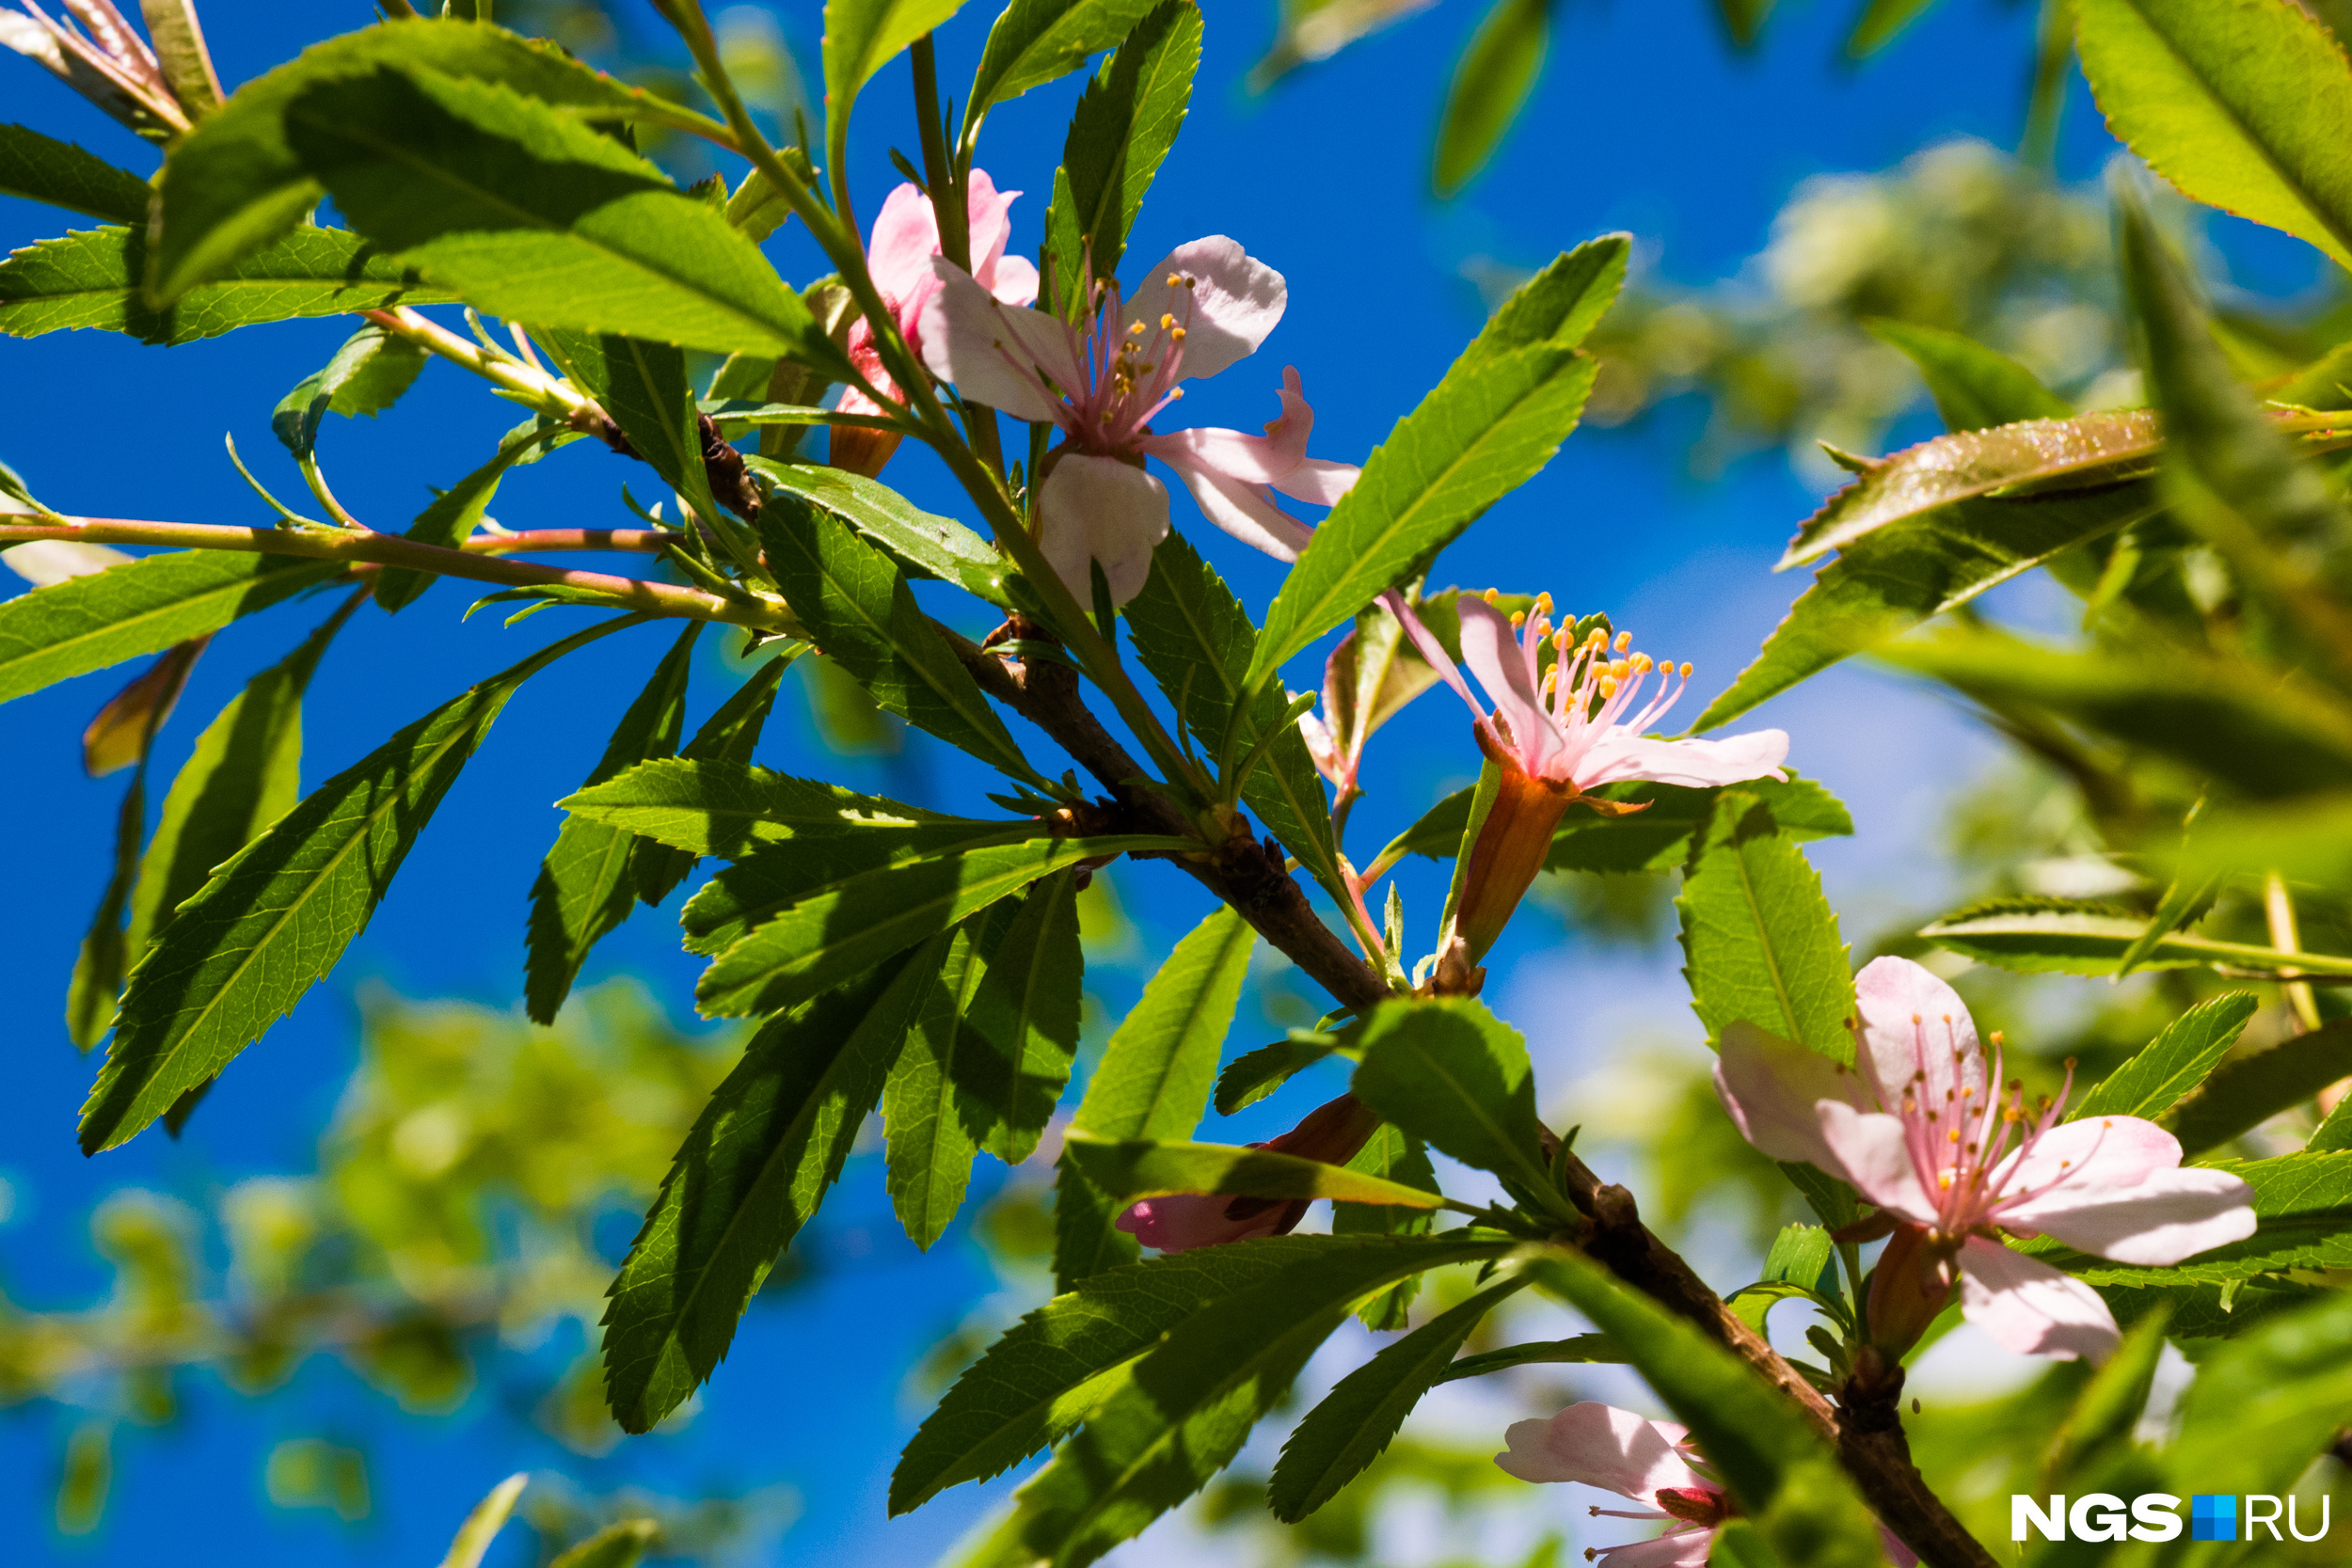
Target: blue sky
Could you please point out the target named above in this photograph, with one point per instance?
(1645, 121)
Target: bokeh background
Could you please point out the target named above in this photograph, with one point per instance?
(429, 1195)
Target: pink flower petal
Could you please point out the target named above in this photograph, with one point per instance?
(1015, 280)
(2105, 1152)
(1897, 1553)
(1599, 1445)
(1491, 649)
(1233, 302)
(1100, 509)
(1682, 1548)
(993, 352)
(1180, 1222)
(1914, 1023)
(988, 213)
(2030, 1308)
(1872, 1150)
(1770, 1088)
(905, 238)
(2162, 1219)
(1234, 505)
(1319, 482)
(1619, 754)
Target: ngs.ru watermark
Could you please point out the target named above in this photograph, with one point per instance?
(2156, 1516)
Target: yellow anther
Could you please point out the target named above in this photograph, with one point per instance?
(1491, 594)
(1598, 639)
(1560, 641)
(1641, 663)
(1543, 604)
(1174, 279)
(1518, 618)
(1620, 668)
(1952, 1136)
(1167, 321)
(1625, 640)
(1944, 1182)
(1608, 685)
(1176, 335)
(1135, 329)
(1686, 669)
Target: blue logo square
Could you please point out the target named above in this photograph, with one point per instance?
(2213, 1516)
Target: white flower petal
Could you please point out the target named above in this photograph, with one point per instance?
(992, 352)
(1770, 1086)
(1100, 509)
(1873, 1151)
(1913, 1023)
(2030, 1308)
(1599, 1445)
(1231, 303)
(1619, 754)
(2168, 1216)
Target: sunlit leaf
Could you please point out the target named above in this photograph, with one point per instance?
(1490, 85)
(41, 168)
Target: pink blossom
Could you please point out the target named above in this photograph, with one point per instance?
(1921, 1129)
(1334, 1133)
(898, 258)
(1648, 1462)
(1105, 379)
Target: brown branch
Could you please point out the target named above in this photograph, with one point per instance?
(1863, 1425)
(1247, 874)
(390, 549)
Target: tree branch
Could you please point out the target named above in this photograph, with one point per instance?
(1247, 874)
(391, 550)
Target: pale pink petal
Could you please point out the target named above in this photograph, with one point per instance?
(1914, 1023)
(1319, 482)
(993, 352)
(1180, 1222)
(45, 561)
(1432, 650)
(1872, 1150)
(2028, 1307)
(1599, 1445)
(906, 237)
(1233, 506)
(1491, 650)
(1100, 509)
(1770, 1087)
(1619, 754)
(1232, 301)
(2162, 1219)
(1015, 282)
(1682, 1548)
(988, 213)
(2106, 1151)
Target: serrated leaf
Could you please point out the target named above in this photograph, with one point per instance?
(728, 736)
(1975, 388)
(96, 979)
(2172, 1064)
(643, 387)
(1029, 1005)
(754, 890)
(1774, 1463)
(862, 36)
(1760, 944)
(277, 917)
(1501, 411)
(1126, 122)
(1358, 1417)
(751, 1172)
(41, 168)
(1087, 1238)
(1249, 1078)
(91, 280)
(2245, 104)
(1392, 1155)
(708, 806)
(527, 213)
(1453, 1075)
(2248, 1090)
(1135, 1169)
(1491, 85)
(366, 375)
(1195, 638)
(1034, 42)
(921, 543)
(857, 607)
(932, 1134)
(584, 890)
(1186, 1406)
(2269, 1401)
(236, 183)
(2303, 1218)
(1657, 838)
(2073, 936)
(1576, 1349)
(141, 606)
(869, 917)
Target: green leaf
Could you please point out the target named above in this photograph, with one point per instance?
(728, 736)
(751, 1172)
(482, 1525)
(1358, 1417)
(713, 807)
(237, 183)
(933, 1134)
(277, 917)
(1975, 388)
(857, 607)
(1773, 1461)
(2303, 1216)
(1453, 1075)
(922, 543)
(180, 55)
(2262, 1408)
(1035, 42)
(646, 390)
(2249, 1090)
(1126, 120)
(1491, 84)
(454, 516)
(862, 36)
(1496, 418)
(1135, 1169)
(366, 375)
(1390, 1154)
(1186, 1406)
(1249, 1078)
(1576, 1349)
(2102, 1416)
(97, 981)
(1881, 20)
(754, 890)
(614, 1546)
(1657, 838)
(585, 889)
(2172, 1064)
(1759, 941)
(1087, 1238)
(2223, 717)
(41, 168)
(1058, 1365)
(1029, 1004)
(1196, 640)
(142, 606)
(2071, 937)
(869, 917)
(244, 774)
(2245, 104)
(91, 280)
